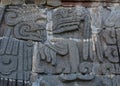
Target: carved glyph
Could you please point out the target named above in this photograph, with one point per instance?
(79, 46)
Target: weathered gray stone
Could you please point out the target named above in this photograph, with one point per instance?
(60, 60)
(13, 58)
(70, 80)
(54, 2)
(112, 54)
(65, 46)
(32, 30)
(2, 10)
(91, 1)
(12, 2)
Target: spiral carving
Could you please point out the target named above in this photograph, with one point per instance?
(85, 67)
(112, 54)
(29, 31)
(12, 18)
(107, 68)
(8, 64)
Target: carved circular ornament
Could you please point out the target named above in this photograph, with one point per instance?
(7, 64)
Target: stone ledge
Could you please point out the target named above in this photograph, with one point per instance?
(90, 0)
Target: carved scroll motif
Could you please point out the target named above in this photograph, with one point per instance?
(73, 23)
(27, 26)
(8, 52)
(30, 31)
(73, 80)
(12, 17)
(73, 77)
(48, 55)
(61, 56)
(112, 54)
(109, 36)
(107, 68)
(13, 55)
(8, 47)
(8, 64)
(76, 56)
(67, 21)
(85, 68)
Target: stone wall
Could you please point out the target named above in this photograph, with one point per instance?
(70, 43)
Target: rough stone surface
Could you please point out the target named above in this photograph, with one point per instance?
(42, 45)
(91, 0)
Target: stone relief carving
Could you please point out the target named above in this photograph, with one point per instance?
(15, 57)
(106, 35)
(30, 31)
(21, 29)
(65, 52)
(70, 22)
(71, 81)
(99, 56)
(84, 49)
(25, 24)
(58, 58)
